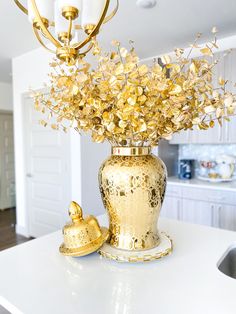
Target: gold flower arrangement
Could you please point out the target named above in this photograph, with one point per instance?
(132, 104)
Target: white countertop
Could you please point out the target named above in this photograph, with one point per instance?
(36, 279)
(226, 186)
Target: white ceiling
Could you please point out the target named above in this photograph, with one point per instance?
(170, 24)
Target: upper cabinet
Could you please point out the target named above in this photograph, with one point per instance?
(225, 68)
(229, 128)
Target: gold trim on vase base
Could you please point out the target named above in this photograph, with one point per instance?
(70, 12)
(164, 249)
(36, 24)
(131, 151)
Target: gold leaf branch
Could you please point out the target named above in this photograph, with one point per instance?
(129, 103)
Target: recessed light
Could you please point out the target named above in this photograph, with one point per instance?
(146, 4)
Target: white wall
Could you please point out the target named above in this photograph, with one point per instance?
(6, 96)
(30, 71)
(93, 155)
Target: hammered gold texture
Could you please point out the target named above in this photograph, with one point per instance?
(82, 236)
(132, 189)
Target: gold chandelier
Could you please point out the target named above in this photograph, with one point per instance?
(67, 19)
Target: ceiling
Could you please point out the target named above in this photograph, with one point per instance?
(172, 23)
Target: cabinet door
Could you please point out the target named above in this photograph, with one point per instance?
(230, 130)
(230, 75)
(212, 135)
(227, 217)
(171, 207)
(180, 138)
(197, 212)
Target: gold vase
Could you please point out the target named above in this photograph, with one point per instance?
(132, 183)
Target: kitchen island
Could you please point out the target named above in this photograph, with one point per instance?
(36, 279)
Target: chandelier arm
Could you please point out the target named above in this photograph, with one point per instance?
(112, 14)
(21, 7)
(69, 29)
(87, 50)
(96, 28)
(36, 33)
(43, 27)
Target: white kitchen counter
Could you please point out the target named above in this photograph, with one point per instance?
(36, 279)
(225, 186)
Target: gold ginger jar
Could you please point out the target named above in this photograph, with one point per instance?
(132, 183)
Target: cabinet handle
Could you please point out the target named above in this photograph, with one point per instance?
(227, 131)
(212, 216)
(219, 215)
(179, 210)
(220, 133)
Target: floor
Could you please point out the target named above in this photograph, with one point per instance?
(8, 237)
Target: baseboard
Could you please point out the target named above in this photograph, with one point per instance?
(22, 231)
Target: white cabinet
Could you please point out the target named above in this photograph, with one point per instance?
(226, 216)
(198, 212)
(211, 136)
(171, 207)
(230, 130)
(216, 208)
(182, 137)
(217, 135)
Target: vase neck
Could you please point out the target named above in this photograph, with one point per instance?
(131, 151)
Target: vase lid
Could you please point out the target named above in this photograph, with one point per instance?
(82, 236)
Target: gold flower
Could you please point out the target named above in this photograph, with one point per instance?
(128, 103)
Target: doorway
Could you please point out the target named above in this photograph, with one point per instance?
(7, 171)
(8, 237)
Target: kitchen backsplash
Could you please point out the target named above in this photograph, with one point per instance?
(205, 152)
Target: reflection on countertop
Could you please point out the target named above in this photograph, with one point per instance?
(227, 186)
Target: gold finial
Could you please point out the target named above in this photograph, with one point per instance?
(75, 212)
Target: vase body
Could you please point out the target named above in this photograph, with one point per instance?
(132, 182)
